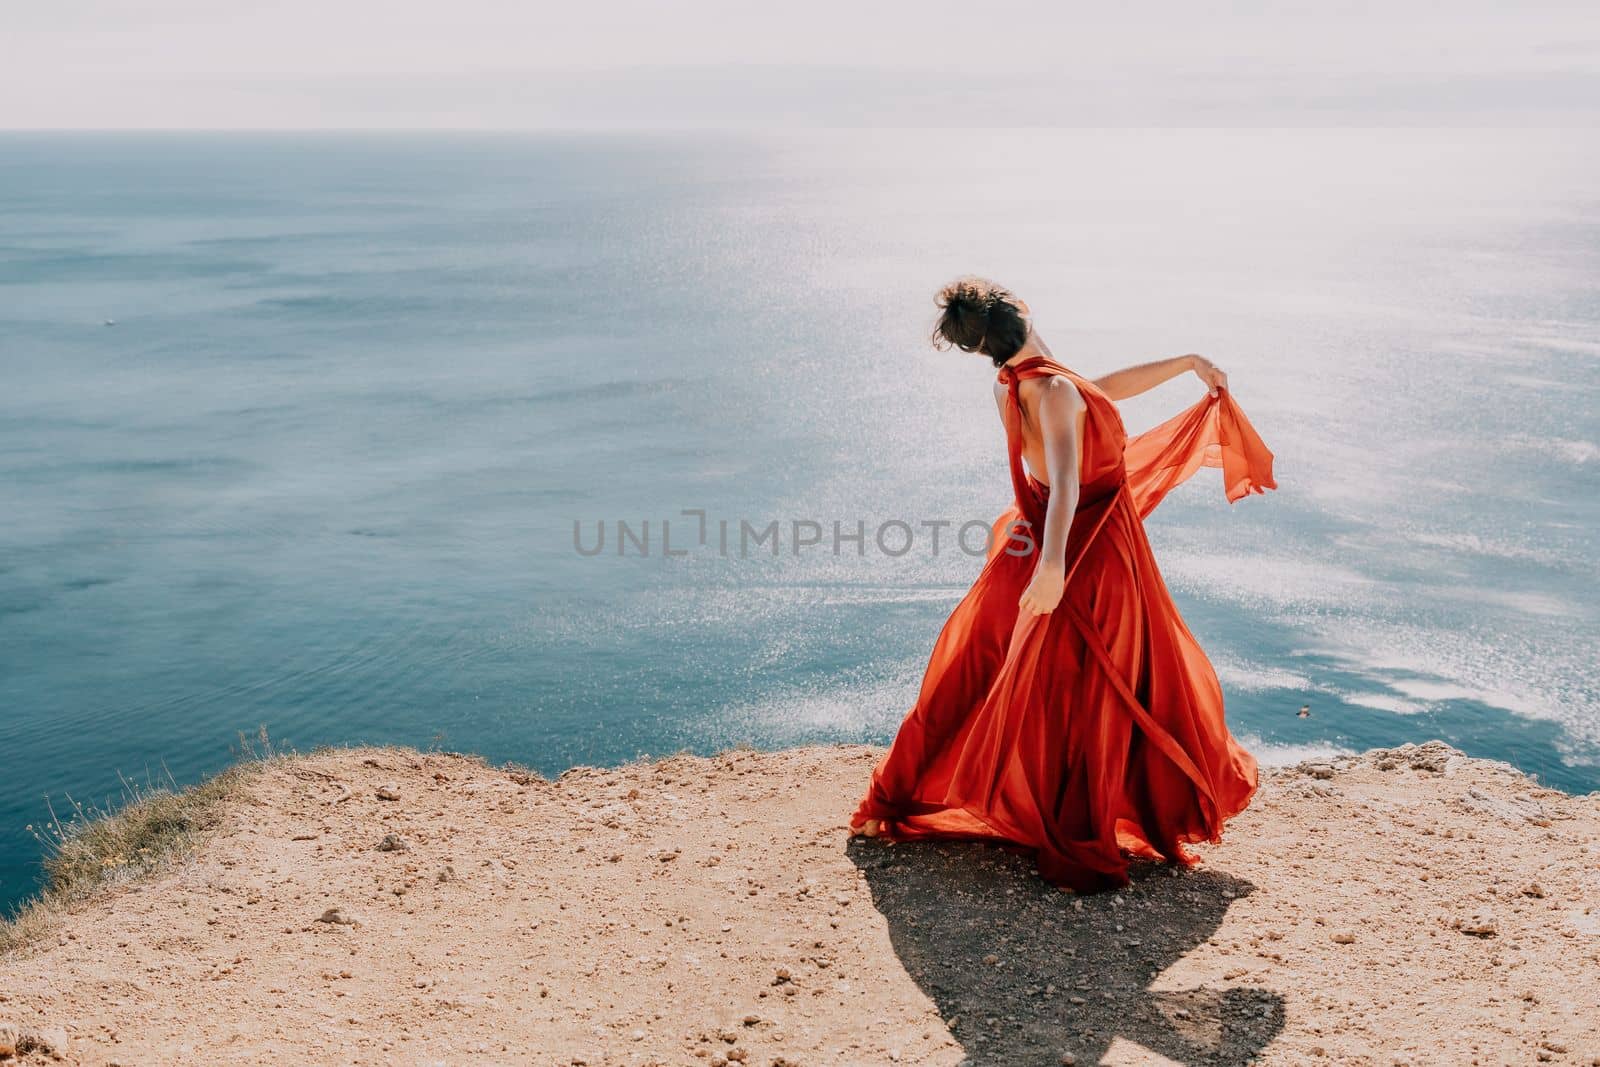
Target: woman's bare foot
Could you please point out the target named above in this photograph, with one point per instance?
(870, 828)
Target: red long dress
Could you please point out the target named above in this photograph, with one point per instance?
(1094, 732)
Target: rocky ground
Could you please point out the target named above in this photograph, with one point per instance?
(384, 906)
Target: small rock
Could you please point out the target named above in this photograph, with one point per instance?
(1344, 937)
(1478, 924)
(51, 1040)
(1533, 889)
(389, 791)
(1513, 809)
(337, 917)
(1431, 756)
(10, 1038)
(992, 960)
(1068, 1059)
(1318, 770)
(392, 843)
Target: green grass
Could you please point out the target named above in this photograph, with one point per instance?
(154, 825)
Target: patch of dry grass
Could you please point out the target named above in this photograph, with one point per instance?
(155, 825)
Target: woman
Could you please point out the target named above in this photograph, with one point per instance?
(1067, 708)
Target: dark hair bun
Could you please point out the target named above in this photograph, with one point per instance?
(978, 315)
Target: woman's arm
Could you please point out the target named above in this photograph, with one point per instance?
(1131, 381)
(1060, 406)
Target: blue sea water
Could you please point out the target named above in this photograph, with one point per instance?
(295, 431)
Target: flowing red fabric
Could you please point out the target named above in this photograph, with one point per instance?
(1095, 732)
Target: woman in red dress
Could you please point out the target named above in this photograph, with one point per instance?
(1067, 708)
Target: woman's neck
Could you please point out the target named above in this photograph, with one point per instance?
(1033, 346)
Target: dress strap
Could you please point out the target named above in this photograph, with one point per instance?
(1158, 735)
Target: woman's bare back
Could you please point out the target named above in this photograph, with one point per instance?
(1029, 392)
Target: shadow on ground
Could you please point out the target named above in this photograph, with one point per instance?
(1027, 972)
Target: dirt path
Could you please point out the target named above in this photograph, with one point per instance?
(1410, 908)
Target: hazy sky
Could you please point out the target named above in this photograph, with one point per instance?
(503, 63)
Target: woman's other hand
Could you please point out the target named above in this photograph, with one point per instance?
(1215, 377)
(1044, 592)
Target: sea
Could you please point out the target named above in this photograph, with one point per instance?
(582, 448)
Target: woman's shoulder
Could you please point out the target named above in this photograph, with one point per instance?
(1056, 388)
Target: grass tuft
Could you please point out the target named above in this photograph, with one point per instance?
(154, 825)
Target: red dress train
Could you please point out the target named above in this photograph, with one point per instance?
(1095, 732)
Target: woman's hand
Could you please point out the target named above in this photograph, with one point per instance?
(1214, 377)
(1044, 592)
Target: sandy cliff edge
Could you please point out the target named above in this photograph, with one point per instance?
(1405, 906)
